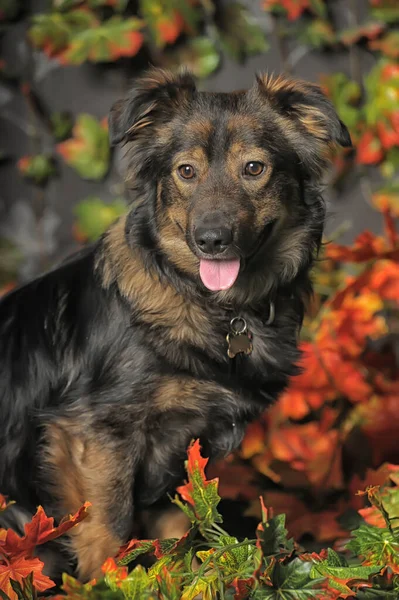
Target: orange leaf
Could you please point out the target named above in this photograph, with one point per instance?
(369, 149)
(19, 568)
(40, 530)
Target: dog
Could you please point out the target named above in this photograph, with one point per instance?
(182, 321)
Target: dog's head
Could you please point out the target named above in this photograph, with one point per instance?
(226, 182)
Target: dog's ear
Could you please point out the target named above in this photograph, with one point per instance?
(306, 117)
(153, 99)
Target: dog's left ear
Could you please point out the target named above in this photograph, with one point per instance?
(306, 117)
(153, 100)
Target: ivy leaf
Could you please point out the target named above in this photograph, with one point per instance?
(199, 55)
(342, 577)
(105, 42)
(387, 198)
(377, 546)
(291, 582)
(53, 31)
(137, 585)
(385, 10)
(272, 535)
(388, 45)
(201, 496)
(88, 150)
(318, 34)
(95, 216)
(240, 34)
(61, 125)
(369, 31)
(39, 168)
(345, 95)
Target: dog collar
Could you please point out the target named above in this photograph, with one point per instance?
(239, 338)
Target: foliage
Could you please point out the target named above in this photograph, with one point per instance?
(268, 566)
(335, 429)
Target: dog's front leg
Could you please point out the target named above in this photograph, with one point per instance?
(82, 464)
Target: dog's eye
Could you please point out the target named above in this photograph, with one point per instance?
(254, 168)
(186, 171)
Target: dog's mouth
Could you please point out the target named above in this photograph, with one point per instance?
(217, 274)
(221, 274)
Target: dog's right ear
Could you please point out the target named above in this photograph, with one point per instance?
(154, 99)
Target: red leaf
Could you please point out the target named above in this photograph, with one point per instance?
(243, 587)
(369, 149)
(19, 568)
(40, 530)
(195, 463)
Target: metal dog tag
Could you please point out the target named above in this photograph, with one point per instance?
(239, 339)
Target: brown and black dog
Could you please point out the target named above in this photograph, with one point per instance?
(112, 362)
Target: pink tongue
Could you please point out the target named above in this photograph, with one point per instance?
(219, 274)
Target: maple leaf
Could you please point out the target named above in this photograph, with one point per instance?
(40, 530)
(200, 494)
(292, 582)
(20, 568)
(377, 546)
(88, 150)
(341, 577)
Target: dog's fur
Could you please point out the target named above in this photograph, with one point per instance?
(112, 362)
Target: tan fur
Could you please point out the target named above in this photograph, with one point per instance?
(158, 302)
(84, 471)
(183, 392)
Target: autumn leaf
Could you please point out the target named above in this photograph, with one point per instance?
(88, 150)
(95, 216)
(201, 495)
(40, 530)
(293, 8)
(342, 578)
(39, 168)
(18, 569)
(387, 199)
(369, 149)
(376, 546)
(369, 31)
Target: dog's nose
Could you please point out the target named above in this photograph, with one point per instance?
(213, 240)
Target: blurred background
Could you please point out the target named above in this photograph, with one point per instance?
(63, 64)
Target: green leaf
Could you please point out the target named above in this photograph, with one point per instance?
(272, 536)
(318, 34)
(39, 168)
(61, 125)
(95, 216)
(291, 582)
(24, 590)
(375, 545)
(319, 8)
(137, 585)
(107, 41)
(52, 32)
(199, 55)
(88, 151)
(388, 13)
(339, 574)
(240, 34)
